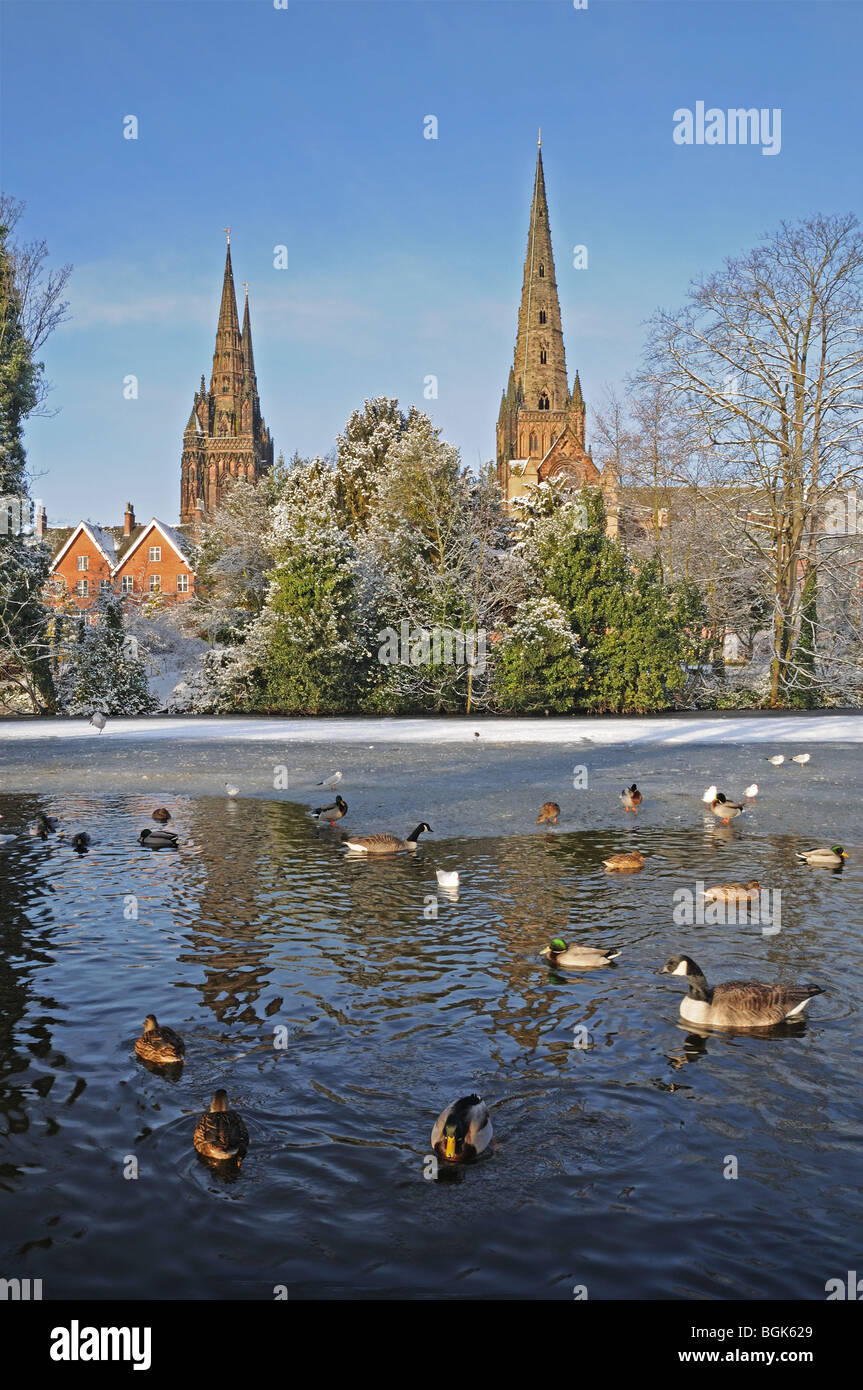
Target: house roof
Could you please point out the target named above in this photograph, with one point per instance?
(101, 538)
(174, 538)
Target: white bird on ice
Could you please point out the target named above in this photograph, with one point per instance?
(801, 758)
(332, 781)
(98, 720)
(447, 880)
(776, 760)
(232, 790)
(710, 795)
(752, 791)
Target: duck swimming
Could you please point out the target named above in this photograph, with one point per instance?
(733, 893)
(574, 957)
(43, 826)
(462, 1131)
(158, 839)
(831, 858)
(160, 1045)
(161, 815)
(385, 843)
(738, 1004)
(550, 812)
(631, 860)
(332, 813)
(631, 798)
(80, 841)
(220, 1133)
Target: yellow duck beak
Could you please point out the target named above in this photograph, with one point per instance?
(449, 1149)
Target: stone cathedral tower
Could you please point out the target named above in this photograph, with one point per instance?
(226, 436)
(541, 425)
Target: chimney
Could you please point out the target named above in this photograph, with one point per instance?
(41, 520)
(128, 519)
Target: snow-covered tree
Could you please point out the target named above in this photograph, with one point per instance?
(103, 669)
(538, 668)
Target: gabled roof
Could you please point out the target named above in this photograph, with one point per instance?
(177, 542)
(102, 539)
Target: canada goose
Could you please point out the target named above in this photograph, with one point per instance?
(631, 797)
(720, 805)
(801, 758)
(463, 1130)
(220, 1133)
(777, 760)
(550, 812)
(733, 893)
(574, 957)
(161, 815)
(751, 792)
(80, 841)
(231, 789)
(385, 843)
(158, 839)
(447, 880)
(160, 1045)
(737, 1003)
(98, 720)
(332, 781)
(633, 859)
(823, 858)
(332, 813)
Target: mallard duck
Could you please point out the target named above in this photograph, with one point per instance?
(823, 858)
(777, 760)
(161, 815)
(631, 797)
(549, 812)
(447, 880)
(43, 826)
(574, 957)
(632, 859)
(738, 1003)
(463, 1130)
(385, 843)
(220, 1133)
(80, 841)
(801, 758)
(733, 893)
(332, 813)
(158, 839)
(160, 1045)
(720, 805)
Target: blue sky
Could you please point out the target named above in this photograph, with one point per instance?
(304, 127)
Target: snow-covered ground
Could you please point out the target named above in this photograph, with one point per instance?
(671, 730)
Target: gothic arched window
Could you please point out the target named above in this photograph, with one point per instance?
(542, 272)
(534, 444)
(543, 401)
(542, 316)
(543, 355)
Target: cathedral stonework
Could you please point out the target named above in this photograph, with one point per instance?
(541, 425)
(226, 437)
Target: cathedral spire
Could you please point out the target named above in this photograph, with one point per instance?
(227, 364)
(248, 352)
(540, 360)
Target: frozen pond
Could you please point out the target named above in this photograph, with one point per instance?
(608, 1164)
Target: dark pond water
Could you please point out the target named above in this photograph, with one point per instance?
(608, 1165)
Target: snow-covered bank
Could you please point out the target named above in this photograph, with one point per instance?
(672, 730)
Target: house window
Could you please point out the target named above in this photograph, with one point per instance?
(105, 586)
(182, 583)
(82, 588)
(83, 562)
(155, 552)
(543, 356)
(542, 316)
(126, 584)
(155, 584)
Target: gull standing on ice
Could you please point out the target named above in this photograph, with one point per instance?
(98, 720)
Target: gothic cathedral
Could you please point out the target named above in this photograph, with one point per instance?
(226, 436)
(541, 425)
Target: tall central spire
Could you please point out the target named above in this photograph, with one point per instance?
(540, 360)
(227, 377)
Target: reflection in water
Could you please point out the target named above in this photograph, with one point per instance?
(343, 1002)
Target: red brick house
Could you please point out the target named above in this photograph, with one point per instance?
(136, 561)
